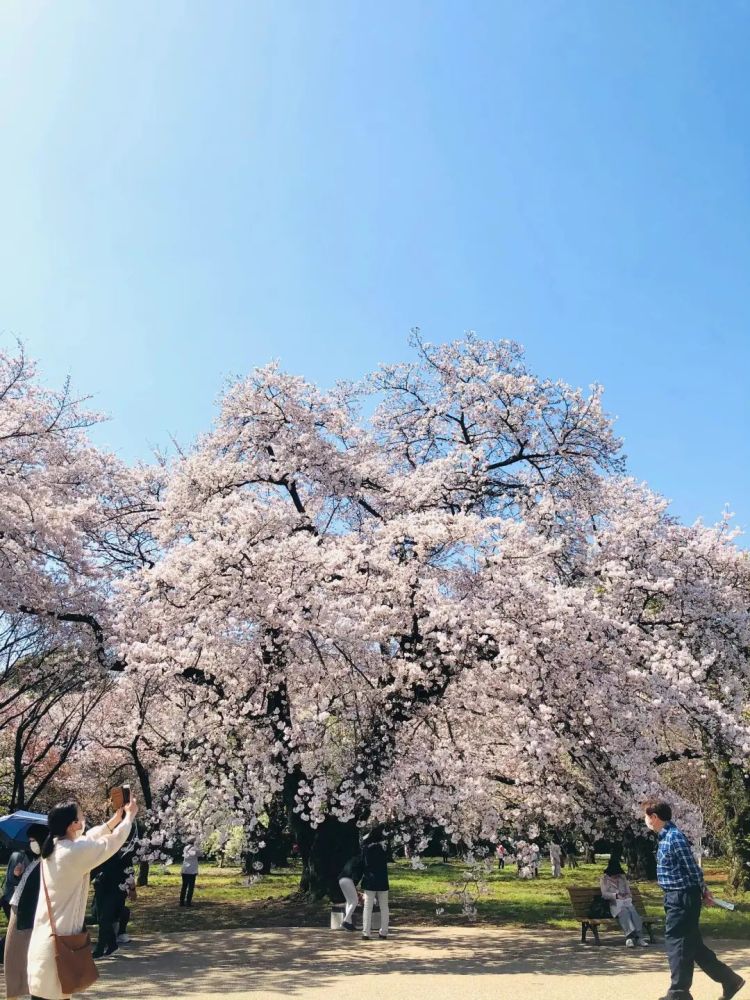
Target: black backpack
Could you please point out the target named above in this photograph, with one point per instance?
(599, 908)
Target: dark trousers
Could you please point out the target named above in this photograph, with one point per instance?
(108, 905)
(122, 927)
(684, 944)
(186, 893)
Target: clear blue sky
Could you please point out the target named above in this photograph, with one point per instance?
(192, 188)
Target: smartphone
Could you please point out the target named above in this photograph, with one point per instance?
(125, 794)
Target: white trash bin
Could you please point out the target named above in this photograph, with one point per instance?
(337, 916)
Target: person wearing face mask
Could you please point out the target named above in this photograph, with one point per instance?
(68, 856)
(22, 911)
(681, 878)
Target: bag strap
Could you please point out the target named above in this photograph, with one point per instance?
(49, 906)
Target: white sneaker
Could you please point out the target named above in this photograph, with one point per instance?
(630, 943)
(123, 939)
(644, 943)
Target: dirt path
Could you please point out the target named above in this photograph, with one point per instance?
(418, 963)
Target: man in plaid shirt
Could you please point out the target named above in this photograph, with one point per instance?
(681, 878)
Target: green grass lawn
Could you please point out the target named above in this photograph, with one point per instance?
(222, 900)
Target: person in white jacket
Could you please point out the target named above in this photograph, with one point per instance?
(615, 888)
(68, 855)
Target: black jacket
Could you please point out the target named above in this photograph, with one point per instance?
(27, 903)
(109, 876)
(353, 869)
(375, 877)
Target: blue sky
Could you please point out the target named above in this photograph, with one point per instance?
(191, 189)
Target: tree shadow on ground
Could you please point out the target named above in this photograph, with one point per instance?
(293, 960)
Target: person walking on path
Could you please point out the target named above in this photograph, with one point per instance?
(349, 876)
(679, 875)
(615, 888)
(375, 883)
(555, 857)
(22, 913)
(68, 856)
(189, 875)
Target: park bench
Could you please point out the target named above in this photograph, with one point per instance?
(581, 898)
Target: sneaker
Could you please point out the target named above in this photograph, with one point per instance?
(644, 942)
(630, 943)
(365, 937)
(382, 937)
(736, 985)
(123, 939)
(347, 926)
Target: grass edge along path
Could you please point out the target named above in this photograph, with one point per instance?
(223, 899)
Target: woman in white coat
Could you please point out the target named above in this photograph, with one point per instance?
(68, 855)
(615, 888)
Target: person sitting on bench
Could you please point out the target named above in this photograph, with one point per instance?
(616, 889)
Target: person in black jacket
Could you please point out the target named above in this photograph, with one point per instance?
(349, 876)
(375, 882)
(110, 895)
(23, 909)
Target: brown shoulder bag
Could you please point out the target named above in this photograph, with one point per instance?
(75, 963)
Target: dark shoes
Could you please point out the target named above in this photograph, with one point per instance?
(677, 995)
(348, 926)
(111, 951)
(734, 987)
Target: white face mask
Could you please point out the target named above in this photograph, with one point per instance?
(34, 847)
(83, 826)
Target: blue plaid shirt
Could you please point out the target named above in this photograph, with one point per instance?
(676, 867)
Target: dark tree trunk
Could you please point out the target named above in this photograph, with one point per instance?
(734, 793)
(324, 852)
(277, 841)
(640, 854)
(148, 801)
(143, 869)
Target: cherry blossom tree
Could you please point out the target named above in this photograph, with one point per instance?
(429, 617)
(456, 612)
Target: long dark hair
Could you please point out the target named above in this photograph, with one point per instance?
(59, 819)
(38, 833)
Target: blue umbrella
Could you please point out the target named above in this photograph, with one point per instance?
(14, 829)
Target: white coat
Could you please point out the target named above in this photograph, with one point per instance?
(66, 874)
(613, 886)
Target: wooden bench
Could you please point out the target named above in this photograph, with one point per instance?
(581, 899)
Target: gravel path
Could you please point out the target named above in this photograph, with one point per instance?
(420, 963)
